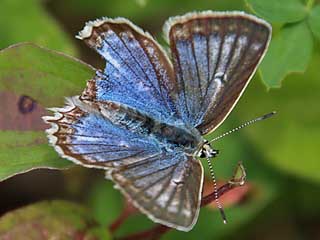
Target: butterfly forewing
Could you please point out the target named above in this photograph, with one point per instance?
(138, 72)
(214, 57)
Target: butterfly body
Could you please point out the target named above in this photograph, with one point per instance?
(143, 119)
(172, 135)
(178, 138)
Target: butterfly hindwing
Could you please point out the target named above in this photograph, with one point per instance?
(86, 137)
(167, 188)
(214, 57)
(165, 185)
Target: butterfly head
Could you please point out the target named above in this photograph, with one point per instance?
(207, 151)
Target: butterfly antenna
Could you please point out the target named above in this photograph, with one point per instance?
(268, 115)
(215, 189)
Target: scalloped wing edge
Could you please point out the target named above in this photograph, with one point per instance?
(71, 103)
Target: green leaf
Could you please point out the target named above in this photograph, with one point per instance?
(275, 11)
(142, 3)
(45, 75)
(51, 220)
(28, 21)
(288, 141)
(314, 21)
(22, 151)
(289, 51)
(33, 78)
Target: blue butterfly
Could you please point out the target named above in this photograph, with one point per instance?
(143, 118)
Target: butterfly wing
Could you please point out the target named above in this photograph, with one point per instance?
(214, 57)
(138, 72)
(167, 188)
(83, 135)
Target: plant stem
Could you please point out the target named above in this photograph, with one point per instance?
(127, 212)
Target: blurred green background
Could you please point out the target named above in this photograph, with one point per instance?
(281, 155)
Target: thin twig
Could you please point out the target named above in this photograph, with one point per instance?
(127, 212)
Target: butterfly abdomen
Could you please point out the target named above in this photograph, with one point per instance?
(169, 135)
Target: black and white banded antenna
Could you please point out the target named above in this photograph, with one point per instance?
(215, 192)
(268, 115)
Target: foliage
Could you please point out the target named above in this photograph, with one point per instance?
(50, 220)
(287, 11)
(290, 56)
(22, 21)
(292, 44)
(28, 70)
(293, 133)
(314, 21)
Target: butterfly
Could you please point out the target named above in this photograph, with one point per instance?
(143, 118)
